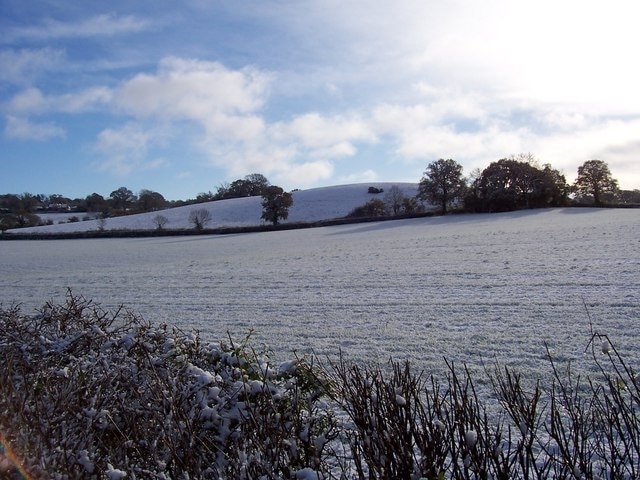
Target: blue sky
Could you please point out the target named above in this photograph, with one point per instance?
(179, 97)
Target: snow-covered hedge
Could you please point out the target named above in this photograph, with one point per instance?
(86, 393)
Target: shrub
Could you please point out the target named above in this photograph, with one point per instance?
(101, 222)
(87, 392)
(375, 190)
(160, 221)
(200, 217)
(373, 208)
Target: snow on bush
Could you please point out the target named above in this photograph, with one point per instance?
(86, 392)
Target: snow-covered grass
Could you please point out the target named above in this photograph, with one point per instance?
(311, 205)
(471, 287)
(514, 288)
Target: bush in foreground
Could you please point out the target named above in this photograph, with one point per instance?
(86, 393)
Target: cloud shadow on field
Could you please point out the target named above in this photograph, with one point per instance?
(581, 210)
(451, 219)
(198, 238)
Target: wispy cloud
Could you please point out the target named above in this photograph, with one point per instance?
(104, 25)
(126, 149)
(17, 128)
(359, 177)
(33, 101)
(23, 66)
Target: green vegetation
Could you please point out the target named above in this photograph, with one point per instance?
(86, 392)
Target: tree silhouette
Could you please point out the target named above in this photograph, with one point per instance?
(275, 204)
(442, 183)
(594, 178)
(122, 198)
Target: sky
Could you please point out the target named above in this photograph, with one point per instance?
(181, 97)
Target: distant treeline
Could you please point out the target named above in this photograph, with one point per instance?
(21, 210)
(508, 184)
(125, 233)
(514, 183)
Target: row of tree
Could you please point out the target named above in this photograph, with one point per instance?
(17, 211)
(120, 201)
(512, 183)
(507, 184)
(518, 182)
(20, 210)
(124, 201)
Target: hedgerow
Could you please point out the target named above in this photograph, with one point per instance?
(87, 393)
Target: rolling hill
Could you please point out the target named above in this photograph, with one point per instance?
(324, 203)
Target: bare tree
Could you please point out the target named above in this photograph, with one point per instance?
(200, 218)
(528, 157)
(394, 199)
(101, 221)
(160, 221)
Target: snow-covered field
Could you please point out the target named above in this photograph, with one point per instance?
(308, 205)
(470, 288)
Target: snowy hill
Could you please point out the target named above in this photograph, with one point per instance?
(311, 205)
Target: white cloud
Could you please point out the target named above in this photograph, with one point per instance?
(359, 177)
(194, 90)
(22, 129)
(226, 105)
(614, 141)
(221, 101)
(338, 150)
(239, 160)
(570, 52)
(316, 131)
(467, 80)
(126, 149)
(525, 54)
(305, 174)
